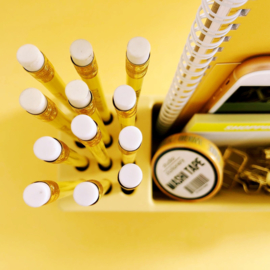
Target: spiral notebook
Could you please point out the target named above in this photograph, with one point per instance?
(214, 20)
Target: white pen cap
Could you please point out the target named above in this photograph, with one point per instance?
(124, 97)
(84, 127)
(130, 176)
(30, 57)
(37, 194)
(86, 194)
(130, 138)
(47, 148)
(138, 50)
(33, 101)
(81, 52)
(78, 94)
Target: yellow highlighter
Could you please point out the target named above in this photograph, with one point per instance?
(55, 151)
(129, 142)
(88, 133)
(129, 177)
(40, 106)
(137, 62)
(89, 192)
(82, 102)
(85, 63)
(38, 66)
(124, 101)
(44, 192)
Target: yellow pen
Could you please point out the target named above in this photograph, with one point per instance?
(46, 191)
(38, 66)
(85, 63)
(90, 192)
(137, 62)
(124, 101)
(82, 101)
(55, 151)
(88, 133)
(129, 142)
(40, 106)
(129, 177)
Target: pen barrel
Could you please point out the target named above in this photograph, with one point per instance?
(89, 74)
(70, 157)
(92, 111)
(55, 117)
(136, 84)
(97, 148)
(135, 74)
(76, 160)
(126, 188)
(66, 187)
(105, 134)
(103, 186)
(127, 118)
(51, 80)
(128, 156)
(100, 153)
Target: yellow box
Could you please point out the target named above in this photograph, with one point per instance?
(232, 129)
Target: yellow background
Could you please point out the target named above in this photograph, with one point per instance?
(47, 238)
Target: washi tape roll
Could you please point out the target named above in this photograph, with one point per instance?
(188, 167)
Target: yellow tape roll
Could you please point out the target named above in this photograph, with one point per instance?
(188, 167)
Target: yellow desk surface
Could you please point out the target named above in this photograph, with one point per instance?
(47, 238)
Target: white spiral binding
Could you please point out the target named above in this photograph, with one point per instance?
(190, 69)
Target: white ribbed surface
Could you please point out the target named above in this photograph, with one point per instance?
(190, 72)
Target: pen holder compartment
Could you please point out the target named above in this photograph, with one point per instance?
(147, 197)
(116, 200)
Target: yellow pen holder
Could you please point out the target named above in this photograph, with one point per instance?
(147, 197)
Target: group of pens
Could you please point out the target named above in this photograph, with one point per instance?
(84, 98)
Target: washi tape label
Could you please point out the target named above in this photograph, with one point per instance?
(185, 173)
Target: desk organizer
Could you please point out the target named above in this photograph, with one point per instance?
(147, 197)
